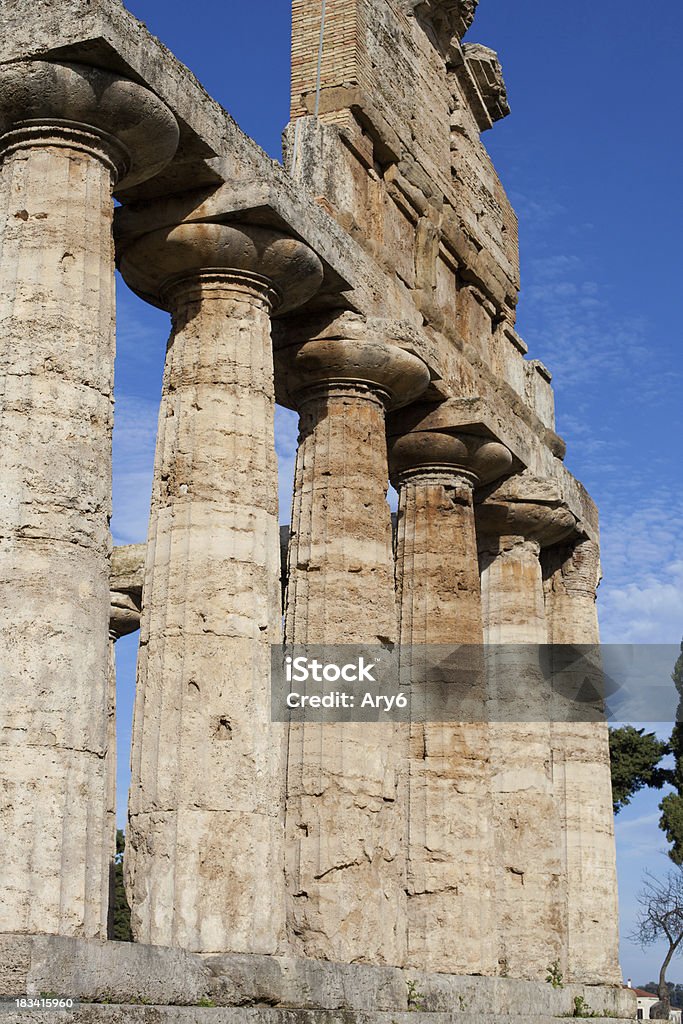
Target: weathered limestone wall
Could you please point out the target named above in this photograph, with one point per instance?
(382, 74)
(275, 990)
(429, 207)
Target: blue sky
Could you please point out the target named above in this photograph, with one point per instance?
(591, 158)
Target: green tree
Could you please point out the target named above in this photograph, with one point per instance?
(120, 916)
(635, 757)
(671, 821)
(675, 992)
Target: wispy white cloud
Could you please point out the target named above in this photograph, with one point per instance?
(571, 319)
(635, 825)
(641, 599)
(650, 612)
(135, 428)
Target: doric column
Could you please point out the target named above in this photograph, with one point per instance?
(451, 903)
(345, 818)
(69, 135)
(530, 883)
(582, 777)
(205, 856)
(340, 587)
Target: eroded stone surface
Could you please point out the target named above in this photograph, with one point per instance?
(345, 821)
(123, 973)
(583, 783)
(450, 864)
(57, 362)
(531, 886)
(207, 795)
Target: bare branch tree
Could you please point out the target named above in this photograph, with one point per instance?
(660, 918)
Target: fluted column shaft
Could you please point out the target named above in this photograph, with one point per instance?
(56, 379)
(205, 827)
(512, 591)
(583, 779)
(340, 582)
(451, 907)
(530, 883)
(345, 815)
(437, 569)
(205, 846)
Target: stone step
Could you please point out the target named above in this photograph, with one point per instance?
(117, 981)
(124, 974)
(97, 1013)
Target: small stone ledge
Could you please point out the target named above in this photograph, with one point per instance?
(241, 980)
(94, 971)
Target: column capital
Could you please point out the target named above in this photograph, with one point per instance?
(124, 614)
(162, 265)
(125, 589)
(579, 567)
(76, 106)
(525, 507)
(499, 521)
(372, 367)
(438, 456)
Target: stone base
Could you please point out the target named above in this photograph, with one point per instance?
(121, 982)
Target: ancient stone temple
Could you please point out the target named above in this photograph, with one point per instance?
(284, 873)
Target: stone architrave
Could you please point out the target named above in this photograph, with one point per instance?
(530, 884)
(582, 777)
(345, 813)
(451, 903)
(205, 854)
(69, 136)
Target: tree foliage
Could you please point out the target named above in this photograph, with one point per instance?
(671, 821)
(635, 757)
(675, 992)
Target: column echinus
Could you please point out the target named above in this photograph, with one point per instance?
(582, 775)
(205, 845)
(345, 815)
(513, 523)
(69, 135)
(451, 903)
